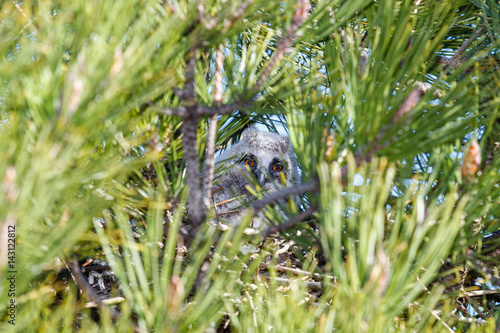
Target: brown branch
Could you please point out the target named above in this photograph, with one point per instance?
(108, 301)
(188, 93)
(455, 59)
(180, 111)
(189, 126)
(202, 110)
(208, 176)
(85, 287)
(299, 272)
(221, 109)
(212, 132)
(195, 204)
(290, 223)
(286, 282)
(476, 293)
(258, 205)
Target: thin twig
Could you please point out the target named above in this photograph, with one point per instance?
(30, 21)
(300, 271)
(286, 282)
(436, 315)
(219, 67)
(472, 303)
(109, 301)
(178, 111)
(209, 161)
(254, 309)
(221, 109)
(85, 287)
(202, 110)
(290, 223)
(212, 131)
(475, 293)
(454, 60)
(258, 205)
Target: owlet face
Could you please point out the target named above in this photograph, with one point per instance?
(260, 158)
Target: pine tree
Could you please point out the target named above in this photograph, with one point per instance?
(110, 115)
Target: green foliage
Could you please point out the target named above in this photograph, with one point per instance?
(381, 100)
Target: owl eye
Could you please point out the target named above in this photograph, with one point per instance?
(277, 167)
(250, 162)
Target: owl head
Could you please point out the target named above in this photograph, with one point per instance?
(266, 157)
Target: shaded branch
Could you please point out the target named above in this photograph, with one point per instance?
(286, 282)
(299, 272)
(476, 293)
(212, 132)
(258, 205)
(290, 223)
(455, 59)
(202, 110)
(109, 301)
(189, 127)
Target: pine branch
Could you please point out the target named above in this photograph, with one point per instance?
(286, 282)
(212, 132)
(189, 127)
(300, 272)
(284, 193)
(290, 223)
(455, 60)
(202, 110)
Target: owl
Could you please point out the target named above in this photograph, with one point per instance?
(260, 159)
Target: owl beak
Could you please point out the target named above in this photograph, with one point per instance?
(262, 178)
